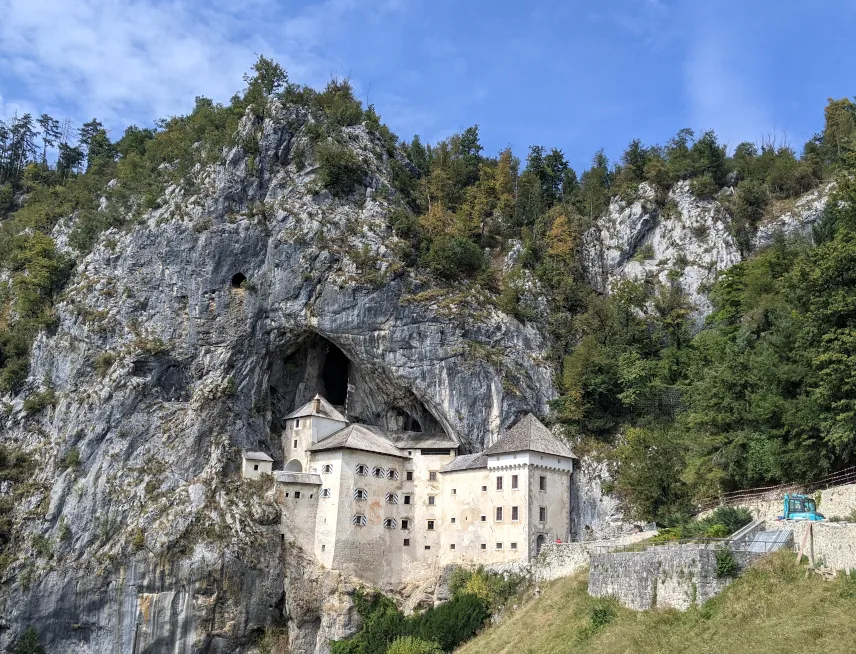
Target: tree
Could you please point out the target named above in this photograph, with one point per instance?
(50, 134)
(268, 78)
(839, 125)
(29, 643)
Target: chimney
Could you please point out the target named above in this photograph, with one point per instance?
(316, 404)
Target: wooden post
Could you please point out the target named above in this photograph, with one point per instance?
(802, 545)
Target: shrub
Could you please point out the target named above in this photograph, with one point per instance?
(454, 257)
(411, 645)
(339, 170)
(339, 104)
(38, 401)
(726, 564)
(104, 361)
(29, 643)
(71, 458)
(704, 186)
(493, 587)
(450, 623)
(602, 613)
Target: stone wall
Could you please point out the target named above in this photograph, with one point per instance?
(835, 502)
(661, 577)
(832, 544)
(563, 559)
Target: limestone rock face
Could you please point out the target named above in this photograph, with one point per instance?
(188, 338)
(685, 243)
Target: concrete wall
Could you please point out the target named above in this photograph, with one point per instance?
(661, 577)
(832, 544)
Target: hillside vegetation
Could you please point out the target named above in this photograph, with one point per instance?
(764, 393)
(773, 608)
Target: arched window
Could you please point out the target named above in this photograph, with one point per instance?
(362, 469)
(325, 492)
(392, 474)
(391, 498)
(389, 523)
(361, 494)
(359, 520)
(378, 472)
(327, 468)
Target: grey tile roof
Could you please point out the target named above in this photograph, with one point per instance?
(359, 437)
(256, 456)
(417, 439)
(297, 477)
(466, 462)
(529, 435)
(325, 410)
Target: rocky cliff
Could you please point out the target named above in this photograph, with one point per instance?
(186, 339)
(189, 336)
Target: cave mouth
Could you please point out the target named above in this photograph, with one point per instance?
(238, 279)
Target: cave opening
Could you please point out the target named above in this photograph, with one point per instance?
(238, 279)
(334, 374)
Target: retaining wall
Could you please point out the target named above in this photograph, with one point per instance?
(661, 577)
(832, 544)
(563, 559)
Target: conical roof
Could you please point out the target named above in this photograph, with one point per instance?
(324, 410)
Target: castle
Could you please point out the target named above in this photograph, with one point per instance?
(389, 506)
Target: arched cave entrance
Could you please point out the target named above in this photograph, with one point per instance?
(334, 374)
(238, 279)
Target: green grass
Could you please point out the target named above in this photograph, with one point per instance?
(773, 608)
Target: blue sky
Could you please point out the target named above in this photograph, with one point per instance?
(578, 75)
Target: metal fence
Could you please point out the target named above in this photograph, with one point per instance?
(734, 498)
(760, 543)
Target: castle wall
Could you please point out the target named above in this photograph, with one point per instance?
(327, 518)
(297, 495)
(556, 499)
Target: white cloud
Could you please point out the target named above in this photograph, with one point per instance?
(136, 60)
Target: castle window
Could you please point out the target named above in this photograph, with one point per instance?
(427, 547)
(325, 492)
(514, 513)
(514, 546)
(391, 498)
(432, 476)
(453, 521)
(286, 493)
(484, 518)
(409, 475)
(327, 468)
(256, 467)
(389, 523)
(407, 499)
(392, 474)
(542, 483)
(359, 520)
(451, 546)
(361, 494)
(297, 495)
(297, 424)
(430, 525)
(499, 514)
(295, 443)
(405, 523)
(362, 469)
(323, 547)
(499, 546)
(407, 542)
(499, 483)
(484, 546)
(513, 482)
(484, 489)
(542, 513)
(454, 491)
(430, 500)
(378, 472)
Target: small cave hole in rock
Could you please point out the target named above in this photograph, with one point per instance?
(334, 374)
(238, 279)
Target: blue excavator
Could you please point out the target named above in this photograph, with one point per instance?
(800, 507)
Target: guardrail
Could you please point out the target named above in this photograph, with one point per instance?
(695, 543)
(840, 478)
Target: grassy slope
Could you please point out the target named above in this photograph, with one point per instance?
(772, 609)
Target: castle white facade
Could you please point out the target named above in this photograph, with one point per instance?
(388, 507)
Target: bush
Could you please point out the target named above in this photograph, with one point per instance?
(726, 564)
(104, 361)
(450, 623)
(732, 518)
(704, 186)
(493, 587)
(71, 458)
(454, 257)
(339, 170)
(29, 643)
(411, 645)
(38, 401)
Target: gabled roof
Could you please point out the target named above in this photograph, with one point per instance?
(529, 435)
(324, 410)
(256, 456)
(359, 437)
(417, 440)
(466, 462)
